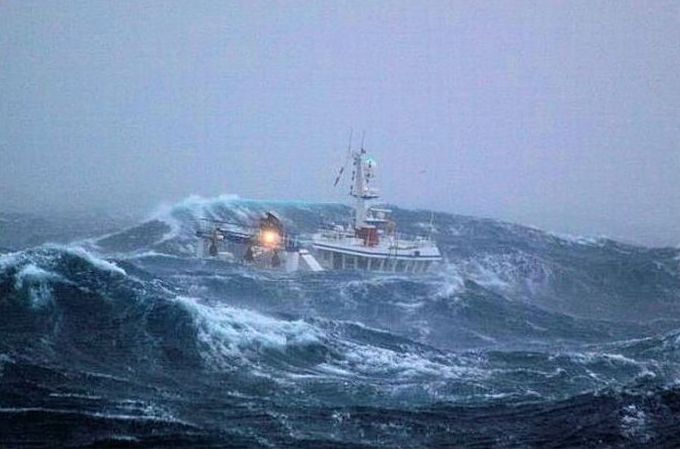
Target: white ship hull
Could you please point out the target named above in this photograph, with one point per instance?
(347, 253)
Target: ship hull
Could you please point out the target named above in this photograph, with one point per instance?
(336, 257)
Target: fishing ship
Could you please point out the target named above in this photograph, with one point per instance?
(371, 241)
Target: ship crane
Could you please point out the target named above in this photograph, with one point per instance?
(265, 245)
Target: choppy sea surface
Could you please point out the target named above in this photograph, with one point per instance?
(521, 339)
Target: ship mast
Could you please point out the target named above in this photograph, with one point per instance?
(360, 190)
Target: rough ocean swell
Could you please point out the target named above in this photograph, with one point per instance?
(522, 339)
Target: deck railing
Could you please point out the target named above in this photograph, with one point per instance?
(398, 238)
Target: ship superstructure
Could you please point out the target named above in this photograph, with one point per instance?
(371, 241)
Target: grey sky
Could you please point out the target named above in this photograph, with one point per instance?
(564, 115)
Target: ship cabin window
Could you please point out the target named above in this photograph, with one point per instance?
(337, 261)
(362, 263)
(350, 262)
(401, 266)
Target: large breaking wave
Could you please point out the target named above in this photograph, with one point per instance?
(522, 339)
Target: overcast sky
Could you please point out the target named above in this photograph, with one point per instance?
(562, 115)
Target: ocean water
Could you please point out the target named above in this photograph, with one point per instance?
(520, 339)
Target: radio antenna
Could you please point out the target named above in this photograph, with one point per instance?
(349, 153)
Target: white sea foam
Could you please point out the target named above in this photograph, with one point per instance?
(105, 376)
(32, 273)
(10, 259)
(578, 239)
(367, 360)
(155, 416)
(229, 332)
(75, 396)
(507, 272)
(151, 253)
(102, 264)
(453, 283)
(30, 276)
(371, 361)
(38, 261)
(634, 424)
(36, 280)
(588, 358)
(196, 206)
(125, 438)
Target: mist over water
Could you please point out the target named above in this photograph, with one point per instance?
(562, 116)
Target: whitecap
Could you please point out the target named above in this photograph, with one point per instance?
(230, 331)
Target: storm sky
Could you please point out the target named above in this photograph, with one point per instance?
(562, 115)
